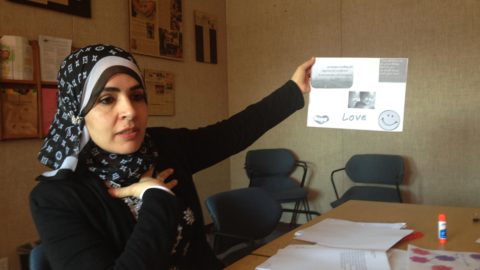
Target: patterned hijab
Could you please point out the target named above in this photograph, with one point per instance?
(81, 78)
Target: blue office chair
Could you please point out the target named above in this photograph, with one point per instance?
(376, 177)
(37, 259)
(242, 218)
(271, 169)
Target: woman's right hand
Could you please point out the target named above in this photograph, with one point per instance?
(146, 181)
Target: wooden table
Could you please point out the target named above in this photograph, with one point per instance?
(247, 262)
(462, 230)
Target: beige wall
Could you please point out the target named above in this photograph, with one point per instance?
(198, 86)
(266, 40)
(441, 130)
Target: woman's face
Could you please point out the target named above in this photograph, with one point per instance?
(118, 120)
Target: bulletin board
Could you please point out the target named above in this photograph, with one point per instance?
(156, 28)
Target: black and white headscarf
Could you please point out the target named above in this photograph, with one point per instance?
(81, 78)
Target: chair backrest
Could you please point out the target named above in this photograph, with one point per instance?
(247, 213)
(376, 169)
(37, 259)
(269, 162)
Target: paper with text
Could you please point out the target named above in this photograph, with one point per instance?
(358, 93)
(355, 235)
(314, 257)
(53, 51)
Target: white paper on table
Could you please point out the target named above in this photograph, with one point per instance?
(397, 259)
(358, 93)
(314, 257)
(341, 234)
(423, 259)
(53, 51)
(396, 225)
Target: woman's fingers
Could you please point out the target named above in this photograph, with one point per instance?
(148, 173)
(164, 174)
(145, 182)
(301, 76)
(170, 185)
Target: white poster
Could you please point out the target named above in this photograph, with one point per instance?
(53, 51)
(358, 93)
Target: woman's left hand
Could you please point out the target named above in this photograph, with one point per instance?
(146, 181)
(301, 76)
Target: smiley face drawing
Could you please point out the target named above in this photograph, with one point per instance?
(389, 120)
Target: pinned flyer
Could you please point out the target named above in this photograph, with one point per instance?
(358, 93)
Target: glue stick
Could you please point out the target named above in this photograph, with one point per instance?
(442, 228)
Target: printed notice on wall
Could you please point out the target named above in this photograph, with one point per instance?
(53, 51)
(358, 93)
(160, 92)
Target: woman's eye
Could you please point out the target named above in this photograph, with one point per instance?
(106, 100)
(138, 96)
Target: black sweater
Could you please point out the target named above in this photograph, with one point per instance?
(83, 227)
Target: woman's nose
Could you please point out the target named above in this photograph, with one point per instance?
(127, 110)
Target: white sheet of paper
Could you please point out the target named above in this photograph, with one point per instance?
(314, 257)
(358, 93)
(354, 235)
(397, 259)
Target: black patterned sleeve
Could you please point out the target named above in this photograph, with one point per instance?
(80, 231)
(211, 144)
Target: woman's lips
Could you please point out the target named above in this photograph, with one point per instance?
(128, 134)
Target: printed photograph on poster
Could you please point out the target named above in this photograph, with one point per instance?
(156, 28)
(205, 37)
(358, 93)
(160, 92)
(19, 113)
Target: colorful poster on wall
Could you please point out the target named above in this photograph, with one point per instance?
(16, 58)
(156, 28)
(19, 113)
(205, 38)
(160, 92)
(358, 93)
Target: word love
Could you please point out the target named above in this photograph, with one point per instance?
(354, 117)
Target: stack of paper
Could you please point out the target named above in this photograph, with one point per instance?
(347, 245)
(356, 235)
(341, 245)
(314, 257)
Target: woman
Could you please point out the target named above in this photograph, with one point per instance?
(101, 150)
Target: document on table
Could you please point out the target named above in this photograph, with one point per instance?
(354, 235)
(358, 93)
(397, 258)
(314, 257)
